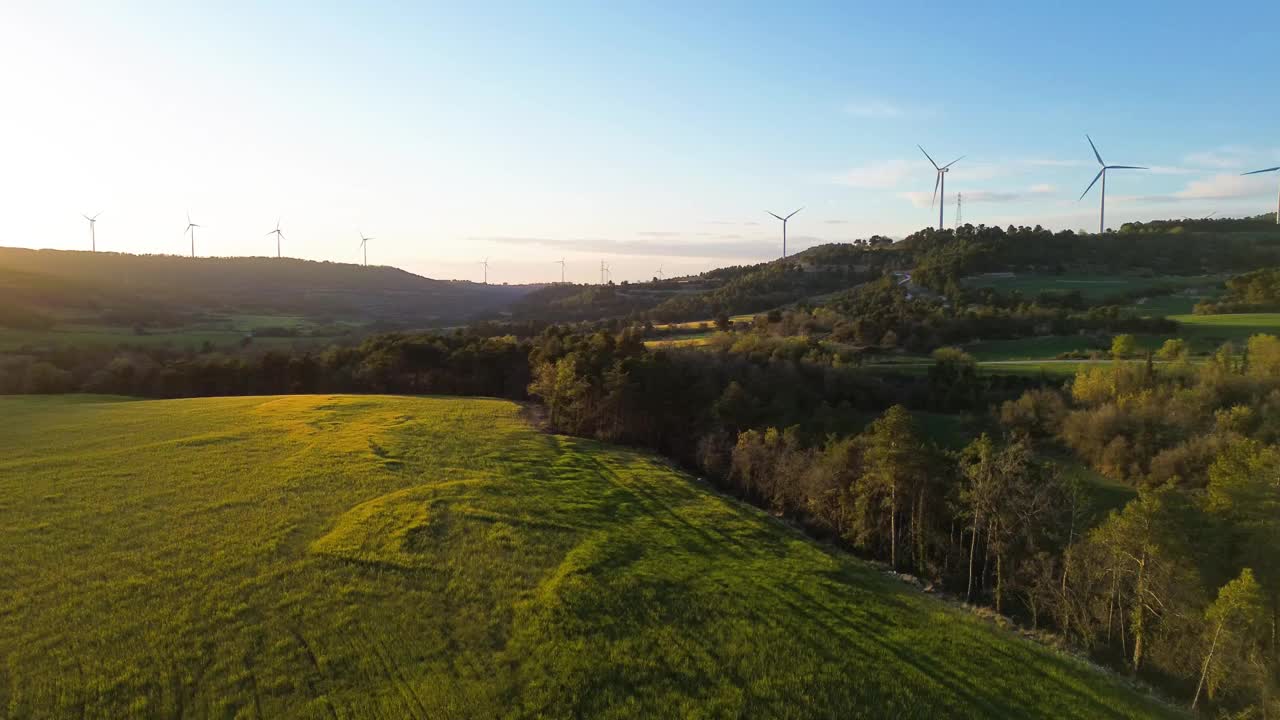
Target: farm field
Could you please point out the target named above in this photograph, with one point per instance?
(1092, 287)
(694, 340)
(708, 324)
(372, 556)
(1206, 333)
(222, 332)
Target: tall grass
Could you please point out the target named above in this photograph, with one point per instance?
(416, 557)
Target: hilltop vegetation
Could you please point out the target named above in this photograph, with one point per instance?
(413, 557)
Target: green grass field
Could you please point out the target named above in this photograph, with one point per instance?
(1207, 332)
(351, 557)
(1093, 287)
(219, 331)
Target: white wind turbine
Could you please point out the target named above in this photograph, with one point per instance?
(278, 235)
(940, 183)
(191, 228)
(1102, 212)
(364, 245)
(784, 228)
(93, 237)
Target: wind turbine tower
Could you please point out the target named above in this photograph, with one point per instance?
(278, 235)
(191, 228)
(1268, 170)
(485, 263)
(940, 184)
(364, 245)
(1102, 212)
(561, 263)
(784, 229)
(93, 237)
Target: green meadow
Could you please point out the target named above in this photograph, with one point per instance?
(398, 557)
(1207, 332)
(1091, 286)
(226, 332)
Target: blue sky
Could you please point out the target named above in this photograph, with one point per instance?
(647, 135)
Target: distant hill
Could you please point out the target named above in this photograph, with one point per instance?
(62, 283)
(732, 290)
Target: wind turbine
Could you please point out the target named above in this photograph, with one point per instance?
(1257, 172)
(191, 228)
(364, 245)
(940, 183)
(93, 238)
(278, 235)
(561, 262)
(784, 228)
(1102, 213)
(485, 263)
(659, 272)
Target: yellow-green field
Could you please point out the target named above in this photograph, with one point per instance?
(351, 557)
(695, 340)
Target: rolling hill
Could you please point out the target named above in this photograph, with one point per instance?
(62, 285)
(374, 556)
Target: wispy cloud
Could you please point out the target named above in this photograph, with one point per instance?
(1222, 186)
(1223, 158)
(876, 109)
(877, 176)
(1228, 186)
(1050, 162)
(926, 199)
(658, 233)
(1233, 157)
(733, 247)
(1041, 189)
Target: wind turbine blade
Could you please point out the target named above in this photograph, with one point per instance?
(1255, 172)
(936, 183)
(931, 162)
(1095, 180)
(953, 162)
(775, 215)
(797, 210)
(1126, 167)
(86, 217)
(1095, 150)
